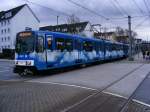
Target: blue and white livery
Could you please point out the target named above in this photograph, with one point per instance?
(43, 50)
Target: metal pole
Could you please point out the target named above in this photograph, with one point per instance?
(130, 40)
(57, 19)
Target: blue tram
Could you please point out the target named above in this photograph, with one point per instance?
(43, 50)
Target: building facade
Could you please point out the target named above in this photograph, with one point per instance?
(80, 28)
(112, 36)
(13, 21)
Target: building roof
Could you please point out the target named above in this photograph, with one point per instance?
(103, 33)
(4, 15)
(66, 28)
(10, 13)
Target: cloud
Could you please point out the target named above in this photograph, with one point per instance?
(106, 8)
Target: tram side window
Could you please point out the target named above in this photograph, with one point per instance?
(113, 47)
(69, 44)
(118, 48)
(49, 43)
(78, 44)
(96, 46)
(107, 47)
(87, 46)
(59, 42)
(100, 46)
(40, 44)
(110, 47)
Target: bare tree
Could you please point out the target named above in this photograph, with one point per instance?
(119, 31)
(73, 19)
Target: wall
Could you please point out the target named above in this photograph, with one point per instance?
(23, 19)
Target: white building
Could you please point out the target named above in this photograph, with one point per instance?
(80, 28)
(13, 21)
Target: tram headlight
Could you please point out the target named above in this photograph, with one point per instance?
(28, 63)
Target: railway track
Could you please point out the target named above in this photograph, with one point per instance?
(124, 108)
(105, 88)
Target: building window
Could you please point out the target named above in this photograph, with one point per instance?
(5, 30)
(5, 39)
(2, 39)
(8, 14)
(5, 23)
(8, 30)
(1, 31)
(8, 22)
(8, 46)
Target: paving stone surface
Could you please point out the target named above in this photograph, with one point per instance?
(34, 97)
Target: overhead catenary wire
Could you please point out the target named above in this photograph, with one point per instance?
(114, 5)
(92, 11)
(148, 10)
(79, 5)
(148, 2)
(124, 11)
(136, 4)
(65, 14)
(141, 22)
(59, 12)
(96, 13)
(110, 20)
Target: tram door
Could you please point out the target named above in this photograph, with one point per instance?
(40, 49)
(50, 54)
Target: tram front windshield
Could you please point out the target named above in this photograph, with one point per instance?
(25, 42)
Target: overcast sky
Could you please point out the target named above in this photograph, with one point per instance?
(108, 8)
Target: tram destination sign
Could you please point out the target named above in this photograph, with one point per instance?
(25, 34)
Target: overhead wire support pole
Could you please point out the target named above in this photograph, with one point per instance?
(57, 19)
(130, 40)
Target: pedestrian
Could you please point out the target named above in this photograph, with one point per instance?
(148, 54)
(143, 53)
